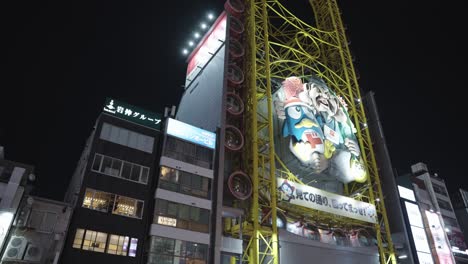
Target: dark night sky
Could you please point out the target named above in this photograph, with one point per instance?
(61, 59)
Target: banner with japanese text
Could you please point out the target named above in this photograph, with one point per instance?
(317, 199)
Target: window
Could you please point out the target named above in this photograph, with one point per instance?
(127, 138)
(181, 216)
(121, 169)
(94, 241)
(444, 205)
(133, 247)
(107, 202)
(97, 200)
(184, 182)
(78, 238)
(99, 242)
(118, 245)
(167, 250)
(439, 189)
(128, 207)
(188, 152)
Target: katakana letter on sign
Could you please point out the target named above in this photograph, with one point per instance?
(143, 117)
(128, 112)
(120, 109)
(135, 114)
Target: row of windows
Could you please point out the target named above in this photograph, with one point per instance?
(184, 182)
(444, 205)
(170, 251)
(127, 138)
(117, 204)
(121, 169)
(439, 189)
(188, 152)
(181, 216)
(106, 243)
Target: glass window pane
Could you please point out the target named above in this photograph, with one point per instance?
(141, 143)
(144, 174)
(195, 213)
(161, 207)
(126, 170)
(139, 210)
(133, 138)
(124, 206)
(135, 176)
(113, 244)
(78, 238)
(106, 165)
(88, 198)
(105, 131)
(164, 245)
(116, 167)
(90, 237)
(172, 209)
(124, 246)
(149, 144)
(123, 137)
(133, 247)
(114, 136)
(184, 211)
(100, 243)
(101, 201)
(204, 216)
(97, 162)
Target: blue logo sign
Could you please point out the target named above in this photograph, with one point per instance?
(191, 133)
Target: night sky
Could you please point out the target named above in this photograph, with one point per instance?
(61, 59)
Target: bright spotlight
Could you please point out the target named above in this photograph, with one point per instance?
(185, 51)
(210, 16)
(196, 35)
(191, 43)
(203, 25)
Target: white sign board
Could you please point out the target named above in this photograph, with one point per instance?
(317, 199)
(414, 215)
(162, 220)
(406, 193)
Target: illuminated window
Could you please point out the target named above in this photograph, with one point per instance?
(97, 241)
(94, 241)
(121, 169)
(118, 245)
(78, 238)
(97, 200)
(133, 247)
(128, 206)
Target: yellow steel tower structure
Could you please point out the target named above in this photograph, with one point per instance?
(280, 45)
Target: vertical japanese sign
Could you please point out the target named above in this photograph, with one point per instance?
(132, 113)
(440, 242)
(317, 199)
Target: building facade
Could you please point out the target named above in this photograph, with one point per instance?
(15, 183)
(460, 205)
(112, 188)
(444, 234)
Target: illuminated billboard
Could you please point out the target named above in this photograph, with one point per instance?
(212, 41)
(317, 199)
(191, 133)
(418, 233)
(440, 241)
(132, 113)
(314, 126)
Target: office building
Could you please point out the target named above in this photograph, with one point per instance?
(112, 187)
(460, 205)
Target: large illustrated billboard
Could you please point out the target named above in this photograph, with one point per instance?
(316, 129)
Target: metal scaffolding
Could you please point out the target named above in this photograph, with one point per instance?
(280, 45)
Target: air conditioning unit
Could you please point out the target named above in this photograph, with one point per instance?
(15, 249)
(33, 253)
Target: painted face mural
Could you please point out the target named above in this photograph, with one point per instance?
(321, 135)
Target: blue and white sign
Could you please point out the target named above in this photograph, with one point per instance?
(191, 133)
